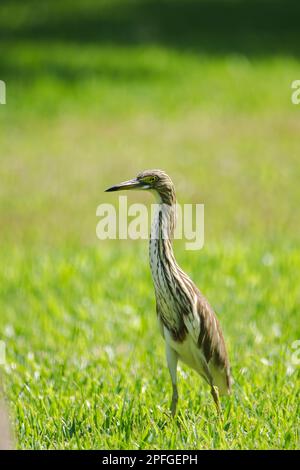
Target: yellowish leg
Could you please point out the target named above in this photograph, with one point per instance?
(215, 395)
(174, 400)
(172, 360)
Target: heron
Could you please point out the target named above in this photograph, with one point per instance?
(187, 322)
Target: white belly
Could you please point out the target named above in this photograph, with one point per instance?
(187, 351)
(191, 355)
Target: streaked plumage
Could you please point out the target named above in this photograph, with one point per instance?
(187, 322)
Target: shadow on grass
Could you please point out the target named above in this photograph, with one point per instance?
(210, 26)
(214, 27)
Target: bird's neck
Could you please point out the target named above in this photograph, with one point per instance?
(162, 231)
(164, 219)
(170, 282)
(164, 222)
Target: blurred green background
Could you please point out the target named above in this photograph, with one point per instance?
(97, 91)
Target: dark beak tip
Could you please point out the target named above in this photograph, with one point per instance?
(111, 189)
(131, 184)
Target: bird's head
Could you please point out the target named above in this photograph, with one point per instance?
(156, 181)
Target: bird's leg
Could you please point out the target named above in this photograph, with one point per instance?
(174, 399)
(215, 395)
(213, 388)
(172, 359)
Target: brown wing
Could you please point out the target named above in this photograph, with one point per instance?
(211, 340)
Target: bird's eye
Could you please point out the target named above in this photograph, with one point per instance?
(149, 179)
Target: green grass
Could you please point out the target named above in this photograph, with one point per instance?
(86, 363)
(97, 92)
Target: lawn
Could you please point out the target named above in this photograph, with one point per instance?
(96, 92)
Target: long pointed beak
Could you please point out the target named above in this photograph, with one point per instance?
(131, 184)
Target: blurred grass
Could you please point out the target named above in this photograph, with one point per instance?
(97, 91)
